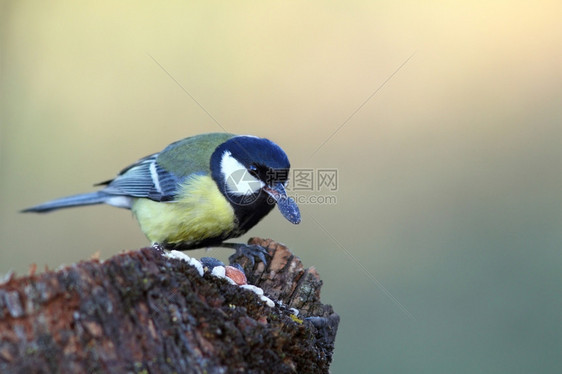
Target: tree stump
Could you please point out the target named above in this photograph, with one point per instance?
(145, 312)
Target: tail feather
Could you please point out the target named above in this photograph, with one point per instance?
(69, 202)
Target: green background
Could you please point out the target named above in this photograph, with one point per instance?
(443, 251)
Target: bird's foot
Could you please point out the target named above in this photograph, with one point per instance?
(250, 251)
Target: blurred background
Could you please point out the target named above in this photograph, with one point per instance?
(442, 252)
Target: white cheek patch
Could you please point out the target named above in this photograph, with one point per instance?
(238, 181)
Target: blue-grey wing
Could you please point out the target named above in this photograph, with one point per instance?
(146, 178)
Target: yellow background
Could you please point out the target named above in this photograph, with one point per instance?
(443, 252)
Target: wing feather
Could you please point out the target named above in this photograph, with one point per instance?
(149, 177)
(145, 179)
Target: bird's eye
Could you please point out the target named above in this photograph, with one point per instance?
(253, 169)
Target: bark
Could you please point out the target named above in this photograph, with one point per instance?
(143, 312)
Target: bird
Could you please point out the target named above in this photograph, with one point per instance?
(199, 192)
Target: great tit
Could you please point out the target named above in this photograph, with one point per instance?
(199, 191)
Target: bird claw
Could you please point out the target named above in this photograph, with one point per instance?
(249, 251)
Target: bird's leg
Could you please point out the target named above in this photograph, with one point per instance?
(250, 251)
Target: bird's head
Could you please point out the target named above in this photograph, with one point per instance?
(252, 173)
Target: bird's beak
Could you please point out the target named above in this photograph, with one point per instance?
(286, 205)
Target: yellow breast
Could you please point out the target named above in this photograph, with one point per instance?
(200, 212)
